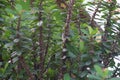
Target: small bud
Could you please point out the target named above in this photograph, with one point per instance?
(40, 23)
(37, 43)
(16, 40)
(64, 50)
(88, 68)
(63, 57)
(33, 29)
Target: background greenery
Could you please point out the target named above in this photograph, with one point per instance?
(32, 46)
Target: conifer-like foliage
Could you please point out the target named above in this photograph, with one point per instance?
(59, 40)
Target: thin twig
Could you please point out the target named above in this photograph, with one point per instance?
(26, 67)
(21, 63)
(92, 21)
(94, 14)
(48, 41)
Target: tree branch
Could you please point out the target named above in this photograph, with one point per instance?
(65, 37)
(41, 42)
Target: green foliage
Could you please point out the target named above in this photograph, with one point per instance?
(101, 74)
(86, 58)
(66, 76)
